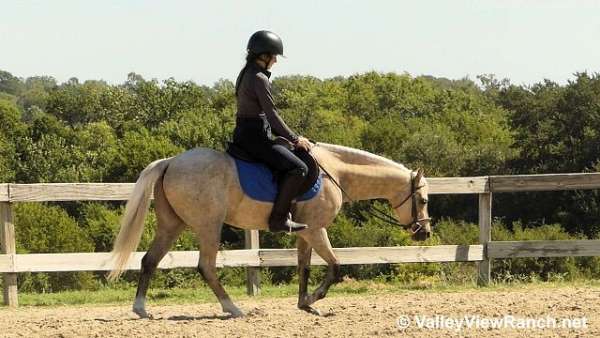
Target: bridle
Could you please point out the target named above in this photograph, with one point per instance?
(414, 213)
(414, 227)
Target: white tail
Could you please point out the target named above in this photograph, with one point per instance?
(132, 222)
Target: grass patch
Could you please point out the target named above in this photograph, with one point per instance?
(124, 296)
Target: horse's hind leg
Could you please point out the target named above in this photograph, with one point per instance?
(168, 229)
(208, 240)
(320, 242)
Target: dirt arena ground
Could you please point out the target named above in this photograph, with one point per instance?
(346, 316)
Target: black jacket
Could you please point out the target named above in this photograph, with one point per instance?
(254, 99)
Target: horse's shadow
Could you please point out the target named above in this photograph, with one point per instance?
(223, 316)
(173, 318)
(205, 317)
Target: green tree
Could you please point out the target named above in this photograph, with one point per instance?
(555, 131)
(12, 133)
(136, 150)
(9, 83)
(36, 91)
(49, 229)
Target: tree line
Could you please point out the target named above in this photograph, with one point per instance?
(93, 131)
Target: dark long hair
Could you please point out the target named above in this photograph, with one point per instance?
(250, 57)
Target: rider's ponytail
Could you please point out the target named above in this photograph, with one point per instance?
(250, 57)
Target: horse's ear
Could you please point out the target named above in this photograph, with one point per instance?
(419, 175)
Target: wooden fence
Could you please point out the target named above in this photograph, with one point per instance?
(253, 257)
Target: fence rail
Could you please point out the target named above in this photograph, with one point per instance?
(248, 257)
(253, 257)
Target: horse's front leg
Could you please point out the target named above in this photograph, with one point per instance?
(320, 242)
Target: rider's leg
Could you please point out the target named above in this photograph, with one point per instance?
(295, 173)
(288, 190)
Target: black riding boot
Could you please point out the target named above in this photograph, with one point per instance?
(288, 189)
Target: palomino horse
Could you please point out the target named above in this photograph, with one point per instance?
(200, 188)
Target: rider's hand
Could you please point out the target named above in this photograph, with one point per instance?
(303, 143)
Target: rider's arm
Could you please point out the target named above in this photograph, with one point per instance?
(263, 92)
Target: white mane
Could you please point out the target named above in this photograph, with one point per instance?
(360, 156)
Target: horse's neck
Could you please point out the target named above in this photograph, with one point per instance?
(366, 180)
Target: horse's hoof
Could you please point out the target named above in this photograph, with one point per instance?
(235, 313)
(142, 313)
(310, 310)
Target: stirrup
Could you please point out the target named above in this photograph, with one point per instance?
(299, 228)
(289, 224)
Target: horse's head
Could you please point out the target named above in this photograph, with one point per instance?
(411, 207)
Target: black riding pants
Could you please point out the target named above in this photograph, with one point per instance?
(254, 136)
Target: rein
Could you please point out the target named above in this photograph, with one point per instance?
(382, 215)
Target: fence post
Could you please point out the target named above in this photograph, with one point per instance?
(251, 240)
(485, 236)
(8, 247)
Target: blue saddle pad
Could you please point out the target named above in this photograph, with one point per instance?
(257, 182)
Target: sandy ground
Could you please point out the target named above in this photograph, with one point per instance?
(346, 316)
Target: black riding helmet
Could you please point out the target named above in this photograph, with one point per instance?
(261, 42)
(265, 42)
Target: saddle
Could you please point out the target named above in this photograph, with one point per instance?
(312, 177)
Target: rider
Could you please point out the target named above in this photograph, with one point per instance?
(257, 118)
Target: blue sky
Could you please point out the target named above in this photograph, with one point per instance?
(204, 41)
